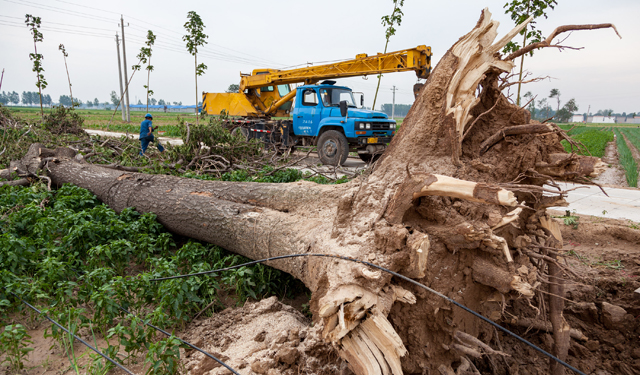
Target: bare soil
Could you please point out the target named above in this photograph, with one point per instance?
(614, 174)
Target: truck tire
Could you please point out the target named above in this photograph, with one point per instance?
(239, 130)
(369, 158)
(333, 148)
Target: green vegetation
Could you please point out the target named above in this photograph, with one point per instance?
(626, 160)
(78, 260)
(595, 140)
(14, 342)
(633, 135)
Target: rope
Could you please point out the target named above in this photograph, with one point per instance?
(551, 356)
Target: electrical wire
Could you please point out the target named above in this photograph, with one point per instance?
(44, 7)
(57, 30)
(76, 337)
(79, 272)
(103, 19)
(524, 341)
(184, 342)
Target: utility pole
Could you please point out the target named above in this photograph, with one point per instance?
(120, 72)
(393, 106)
(126, 76)
(1, 77)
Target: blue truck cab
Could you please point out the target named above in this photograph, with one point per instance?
(337, 131)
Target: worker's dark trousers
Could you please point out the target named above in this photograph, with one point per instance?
(144, 143)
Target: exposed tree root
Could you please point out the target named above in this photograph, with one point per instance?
(461, 208)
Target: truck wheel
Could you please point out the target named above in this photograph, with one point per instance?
(239, 130)
(369, 158)
(333, 148)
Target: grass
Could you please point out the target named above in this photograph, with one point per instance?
(626, 160)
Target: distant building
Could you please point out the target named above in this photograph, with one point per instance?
(599, 119)
(577, 118)
(168, 108)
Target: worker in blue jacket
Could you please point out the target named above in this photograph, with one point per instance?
(146, 134)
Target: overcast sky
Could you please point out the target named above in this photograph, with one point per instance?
(249, 34)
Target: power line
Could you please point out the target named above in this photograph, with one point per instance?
(71, 12)
(5, 23)
(433, 291)
(76, 337)
(60, 11)
(61, 24)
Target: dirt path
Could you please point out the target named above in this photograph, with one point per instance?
(614, 175)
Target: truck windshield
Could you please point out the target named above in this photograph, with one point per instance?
(333, 97)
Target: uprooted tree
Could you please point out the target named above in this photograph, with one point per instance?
(458, 202)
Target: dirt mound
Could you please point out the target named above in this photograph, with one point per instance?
(265, 337)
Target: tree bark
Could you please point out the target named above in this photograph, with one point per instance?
(431, 210)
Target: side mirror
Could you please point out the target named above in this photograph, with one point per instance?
(362, 100)
(343, 108)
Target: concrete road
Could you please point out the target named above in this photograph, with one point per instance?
(622, 203)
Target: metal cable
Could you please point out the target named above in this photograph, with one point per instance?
(76, 337)
(79, 272)
(551, 356)
(184, 342)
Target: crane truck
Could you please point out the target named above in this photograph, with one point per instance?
(320, 113)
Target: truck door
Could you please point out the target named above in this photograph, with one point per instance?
(307, 115)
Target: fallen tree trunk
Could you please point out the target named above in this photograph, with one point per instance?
(431, 210)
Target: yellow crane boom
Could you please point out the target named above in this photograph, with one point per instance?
(266, 92)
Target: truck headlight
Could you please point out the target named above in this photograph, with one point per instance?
(392, 126)
(368, 125)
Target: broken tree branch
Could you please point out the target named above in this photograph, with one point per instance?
(515, 130)
(558, 30)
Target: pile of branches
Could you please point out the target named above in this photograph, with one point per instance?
(208, 149)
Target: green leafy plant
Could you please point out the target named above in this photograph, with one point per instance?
(34, 25)
(570, 218)
(194, 39)
(164, 356)
(14, 342)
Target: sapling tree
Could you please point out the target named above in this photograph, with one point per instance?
(390, 21)
(555, 93)
(520, 11)
(145, 57)
(532, 103)
(34, 24)
(195, 38)
(65, 55)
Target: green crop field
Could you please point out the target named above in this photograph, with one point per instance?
(626, 160)
(633, 135)
(594, 139)
(101, 119)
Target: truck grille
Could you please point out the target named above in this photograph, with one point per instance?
(372, 125)
(380, 125)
